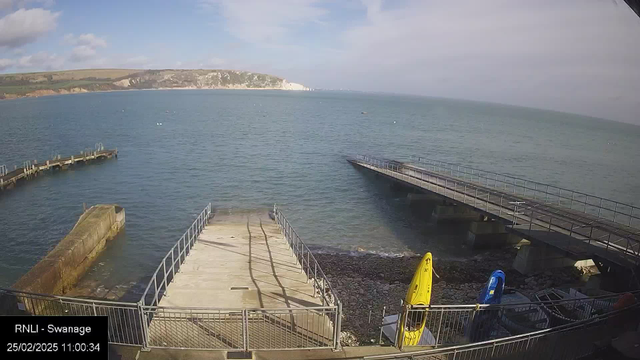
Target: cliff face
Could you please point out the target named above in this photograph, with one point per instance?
(39, 84)
(205, 79)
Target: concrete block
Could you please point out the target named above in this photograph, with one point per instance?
(535, 258)
(61, 269)
(486, 234)
(454, 213)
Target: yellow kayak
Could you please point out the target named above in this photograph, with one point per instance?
(419, 293)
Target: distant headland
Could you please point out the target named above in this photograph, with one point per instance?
(88, 80)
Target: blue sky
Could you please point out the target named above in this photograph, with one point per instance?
(578, 56)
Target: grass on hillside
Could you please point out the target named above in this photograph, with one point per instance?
(73, 74)
(24, 89)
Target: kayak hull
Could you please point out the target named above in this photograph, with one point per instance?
(419, 294)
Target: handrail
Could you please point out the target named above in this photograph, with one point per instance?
(125, 319)
(550, 302)
(574, 227)
(195, 308)
(137, 318)
(312, 270)
(622, 233)
(300, 251)
(544, 189)
(188, 240)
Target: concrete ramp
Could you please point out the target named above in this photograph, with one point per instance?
(241, 285)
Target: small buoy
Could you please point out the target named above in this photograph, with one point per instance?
(394, 121)
(364, 113)
(159, 124)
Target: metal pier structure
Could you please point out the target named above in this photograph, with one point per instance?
(577, 224)
(30, 169)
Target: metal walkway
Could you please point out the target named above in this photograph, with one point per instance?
(581, 225)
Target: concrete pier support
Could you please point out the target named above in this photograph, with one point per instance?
(454, 213)
(535, 258)
(487, 234)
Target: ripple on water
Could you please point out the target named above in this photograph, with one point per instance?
(215, 146)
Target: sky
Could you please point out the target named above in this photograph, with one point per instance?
(578, 56)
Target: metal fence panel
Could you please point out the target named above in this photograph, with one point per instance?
(241, 329)
(124, 318)
(447, 325)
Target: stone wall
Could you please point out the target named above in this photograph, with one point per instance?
(61, 269)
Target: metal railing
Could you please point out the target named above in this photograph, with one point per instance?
(3, 170)
(308, 263)
(563, 342)
(171, 263)
(597, 206)
(125, 319)
(242, 329)
(458, 324)
(524, 216)
(253, 329)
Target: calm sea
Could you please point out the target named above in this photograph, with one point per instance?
(251, 149)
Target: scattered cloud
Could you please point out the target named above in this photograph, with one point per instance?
(258, 21)
(26, 26)
(86, 46)
(6, 63)
(41, 60)
(25, 3)
(89, 40)
(82, 53)
(5, 4)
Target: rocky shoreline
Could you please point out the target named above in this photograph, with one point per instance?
(365, 283)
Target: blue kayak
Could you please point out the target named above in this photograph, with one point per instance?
(491, 293)
(482, 325)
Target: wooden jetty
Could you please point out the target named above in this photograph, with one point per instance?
(30, 169)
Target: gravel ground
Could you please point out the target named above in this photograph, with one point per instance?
(367, 282)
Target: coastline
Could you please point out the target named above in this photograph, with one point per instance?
(55, 93)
